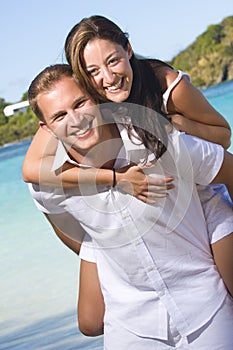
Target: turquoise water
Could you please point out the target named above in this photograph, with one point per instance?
(39, 275)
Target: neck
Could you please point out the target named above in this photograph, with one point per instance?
(104, 154)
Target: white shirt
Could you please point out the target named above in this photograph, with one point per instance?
(152, 260)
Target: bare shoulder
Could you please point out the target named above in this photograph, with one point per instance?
(164, 73)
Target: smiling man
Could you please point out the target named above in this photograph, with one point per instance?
(161, 286)
(73, 118)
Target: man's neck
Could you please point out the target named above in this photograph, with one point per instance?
(104, 154)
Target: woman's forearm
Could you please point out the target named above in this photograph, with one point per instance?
(212, 133)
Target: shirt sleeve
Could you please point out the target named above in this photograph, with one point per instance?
(88, 251)
(48, 201)
(206, 158)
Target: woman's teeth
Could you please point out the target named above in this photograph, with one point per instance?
(115, 87)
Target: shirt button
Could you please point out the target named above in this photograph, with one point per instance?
(161, 293)
(150, 268)
(138, 241)
(124, 214)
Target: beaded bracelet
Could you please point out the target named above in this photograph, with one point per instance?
(114, 178)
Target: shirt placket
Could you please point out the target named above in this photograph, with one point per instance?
(167, 303)
(160, 287)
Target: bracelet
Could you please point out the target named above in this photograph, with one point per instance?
(114, 178)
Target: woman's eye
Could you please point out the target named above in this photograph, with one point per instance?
(113, 60)
(92, 72)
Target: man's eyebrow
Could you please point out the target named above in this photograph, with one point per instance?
(79, 100)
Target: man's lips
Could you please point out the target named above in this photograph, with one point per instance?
(83, 128)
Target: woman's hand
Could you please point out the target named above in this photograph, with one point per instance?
(133, 180)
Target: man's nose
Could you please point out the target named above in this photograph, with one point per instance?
(74, 117)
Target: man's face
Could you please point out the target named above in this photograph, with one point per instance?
(71, 115)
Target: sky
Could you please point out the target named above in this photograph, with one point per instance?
(33, 33)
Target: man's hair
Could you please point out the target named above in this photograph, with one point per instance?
(44, 82)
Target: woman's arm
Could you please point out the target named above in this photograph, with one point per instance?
(91, 306)
(193, 114)
(42, 146)
(39, 160)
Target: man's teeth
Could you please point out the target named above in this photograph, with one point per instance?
(82, 131)
(116, 86)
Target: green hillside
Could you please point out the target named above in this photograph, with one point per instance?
(209, 60)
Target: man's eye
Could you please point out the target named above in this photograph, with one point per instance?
(59, 117)
(79, 104)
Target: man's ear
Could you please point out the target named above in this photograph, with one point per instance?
(130, 50)
(45, 127)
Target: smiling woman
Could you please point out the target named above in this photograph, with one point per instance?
(109, 67)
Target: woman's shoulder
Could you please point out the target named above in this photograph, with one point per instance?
(164, 72)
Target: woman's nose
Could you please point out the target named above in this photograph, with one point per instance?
(108, 76)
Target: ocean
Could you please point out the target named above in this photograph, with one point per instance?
(39, 275)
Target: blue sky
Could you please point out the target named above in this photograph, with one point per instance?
(33, 32)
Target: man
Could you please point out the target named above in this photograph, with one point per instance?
(157, 274)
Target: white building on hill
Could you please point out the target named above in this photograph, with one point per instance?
(14, 108)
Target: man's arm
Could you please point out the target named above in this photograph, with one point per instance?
(67, 229)
(91, 306)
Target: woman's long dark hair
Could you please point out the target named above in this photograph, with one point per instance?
(150, 123)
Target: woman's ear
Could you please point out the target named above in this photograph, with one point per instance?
(130, 50)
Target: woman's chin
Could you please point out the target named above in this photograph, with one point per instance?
(117, 97)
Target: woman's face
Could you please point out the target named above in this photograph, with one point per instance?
(109, 68)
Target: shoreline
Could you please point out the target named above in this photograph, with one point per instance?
(16, 142)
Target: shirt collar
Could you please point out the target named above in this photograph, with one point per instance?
(61, 157)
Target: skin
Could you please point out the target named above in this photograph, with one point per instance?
(61, 119)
